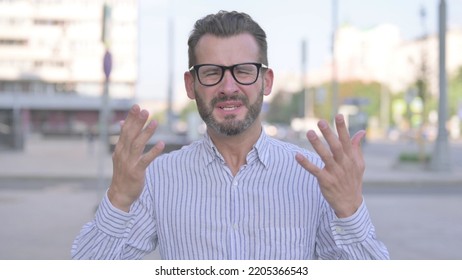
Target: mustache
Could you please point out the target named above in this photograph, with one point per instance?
(241, 98)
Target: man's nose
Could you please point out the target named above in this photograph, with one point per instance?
(229, 84)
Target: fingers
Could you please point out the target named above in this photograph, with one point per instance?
(308, 165)
(318, 145)
(138, 144)
(357, 138)
(133, 124)
(332, 141)
(356, 148)
(340, 144)
(134, 136)
(154, 152)
(343, 134)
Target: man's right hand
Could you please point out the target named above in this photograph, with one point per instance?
(130, 161)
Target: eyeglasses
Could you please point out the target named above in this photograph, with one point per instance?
(243, 73)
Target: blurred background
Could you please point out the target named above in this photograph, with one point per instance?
(71, 69)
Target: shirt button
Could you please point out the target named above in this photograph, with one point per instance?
(235, 226)
(235, 183)
(338, 229)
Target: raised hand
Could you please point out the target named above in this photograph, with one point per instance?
(341, 178)
(130, 161)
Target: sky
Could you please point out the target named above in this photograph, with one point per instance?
(286, 23)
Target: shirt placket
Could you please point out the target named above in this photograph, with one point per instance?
(237, 217)
(234, 218)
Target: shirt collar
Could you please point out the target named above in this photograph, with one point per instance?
(260, 150)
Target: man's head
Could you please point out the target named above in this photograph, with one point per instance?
(228, 75)
(227, 24)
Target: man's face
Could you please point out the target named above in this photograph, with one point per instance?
(228, 107)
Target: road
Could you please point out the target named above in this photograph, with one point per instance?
(40, 218)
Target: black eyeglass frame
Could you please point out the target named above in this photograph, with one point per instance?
(259, 66)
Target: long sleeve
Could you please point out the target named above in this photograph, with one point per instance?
(114, 234)
(349, 238)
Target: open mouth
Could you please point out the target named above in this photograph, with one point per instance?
(229, 108)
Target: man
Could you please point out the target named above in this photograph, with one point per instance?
(236, 193)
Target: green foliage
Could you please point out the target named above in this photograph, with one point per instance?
(189, 108)
(159, 116)
(414, 157)
(358, 89)
(455, 91)
(284, 107)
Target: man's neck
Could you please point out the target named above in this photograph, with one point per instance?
(235, 149)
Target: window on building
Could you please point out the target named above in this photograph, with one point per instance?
(12, 42)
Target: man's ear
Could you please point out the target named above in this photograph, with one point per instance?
(189, 84)
(268, 78)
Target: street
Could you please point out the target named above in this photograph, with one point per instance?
(418, 223)
(41, 217)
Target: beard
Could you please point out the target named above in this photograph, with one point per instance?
(230, 126)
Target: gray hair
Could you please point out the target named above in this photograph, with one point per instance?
(227, 24)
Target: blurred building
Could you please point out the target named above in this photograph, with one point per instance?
(380, 54)
(51, 65)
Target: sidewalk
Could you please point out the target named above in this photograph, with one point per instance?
(78, 159)
(383, 166)
(74, 158)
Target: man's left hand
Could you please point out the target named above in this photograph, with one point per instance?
(341, 177)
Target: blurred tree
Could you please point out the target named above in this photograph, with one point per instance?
(455, 92)
(358, 89)
(284, 107)
(190, 107)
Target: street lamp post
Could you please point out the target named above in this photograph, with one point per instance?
(440, 160)
(308, 108)
(171, 62)
(104, 119)
(334, 62)
(104, 109)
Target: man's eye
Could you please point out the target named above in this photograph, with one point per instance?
(243, 72)
(210, 73)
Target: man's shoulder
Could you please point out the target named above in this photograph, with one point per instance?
(289, 147)
(282, 149)
(182, 150)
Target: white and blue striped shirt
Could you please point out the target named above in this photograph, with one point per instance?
(192, 207)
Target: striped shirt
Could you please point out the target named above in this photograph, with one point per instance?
(192, 207)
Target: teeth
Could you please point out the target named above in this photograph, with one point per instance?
(229, 108)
